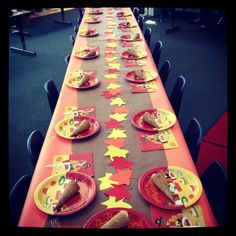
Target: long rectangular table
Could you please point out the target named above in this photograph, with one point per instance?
(143, 161)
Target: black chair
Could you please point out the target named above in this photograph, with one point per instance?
(136, 13)
(81, 12)
(214, 181)
(157, 53)
(78, 21)
(177, 94)
(17, 198)
(72, 39)
(147, 35)
(34, 145)
(52, 94)
(76, 29)
(140, 22)
(67, 59)
(164, 71)
(193, 138)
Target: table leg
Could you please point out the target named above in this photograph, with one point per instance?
(63, 18)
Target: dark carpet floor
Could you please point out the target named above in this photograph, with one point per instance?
(199, 55)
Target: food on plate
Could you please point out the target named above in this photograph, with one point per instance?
(132, 52)
(120, 220)
(84, 125)
(85, 31)
(136, 36)
(150, 120)
(159, 180)
(140, 74)
(85, 78)
(91, 53)
(125, 24)
(70, 190)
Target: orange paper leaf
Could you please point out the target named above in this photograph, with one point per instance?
(123, 176)
(122, 109)
(116, 142)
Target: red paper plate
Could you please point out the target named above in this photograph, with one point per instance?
(92, 20)
(66, 127)
(123, 25)
(93, 32)
(94, 12)
(138, 220)
(184, 185)
(47, 193)
(133, 78)
(128, 38)
(141, 54)
(122, 14)
(165, 119)
(82, 52)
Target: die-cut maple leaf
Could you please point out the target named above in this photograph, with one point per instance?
(111, 203)
(120, 163)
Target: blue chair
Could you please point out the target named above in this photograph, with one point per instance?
(34, 145)
(17, 198)
(140, 22)
(214, 181)
(164, 71)
(193, 137)
(136, 13)
(67, 59)
(157, 53)
(52, 94)
(76, 29)
(147, 35)
(81, 12)
(72, 39)
(177, 94)
(78, 21)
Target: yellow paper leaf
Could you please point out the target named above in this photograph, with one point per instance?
(109, 76)
(117, 133)
(111, 59)
(117, 101)
(112, 45)
(118, 116)
(106, 182)
(116, 152)
(111, 203)
(113, 86)
(114, 65)
(111, 36)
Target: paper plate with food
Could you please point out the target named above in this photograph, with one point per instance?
(115, 218)
(141, 76)
(92, 20)
(123, 14)
(87, 52)
(126, 25)
(88, 32)
(130, 38)
(170, 187)
(131, 54)
(82, 80)
(153, 119)
(79, 127)
(65, 193)
(95, 11)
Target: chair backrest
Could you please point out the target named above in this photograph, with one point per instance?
(177, 94)
(67, 59)
(17, 198)
(193, 138)
(136, 13)
(76, 29)
(81, 12)
(78, 21)
(164, 71)
(157, 53)
(34, 145)
(52, 94)
(214, 181)
(72, 39)
(147, 35)
(140, 22)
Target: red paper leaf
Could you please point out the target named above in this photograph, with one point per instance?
(119, 142)
(112, 123)
(107, 94)
(112, 71)
(112, 40)
(110, 80)
(120, 163)
(123, 176)
(119, 192)
(121, 109)
(115, 92)
(109, 49)
(109, 54)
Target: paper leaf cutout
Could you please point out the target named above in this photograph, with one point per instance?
(111, 59)
(112, 45)
(111, 203)
(123, 176)
(111, 76)
(121, 109)
(109, 54)
(115, 92)
(112, 124)
(106, 182)
(110, 80)
(119, 143)
(112, 41)
(120, 163)
(119, 192)
(112, 71)
(113, 86)
(119, 116)
(114, 65)
(116, 152)
(107, 94)
(111, 36)
(117, 101)
(117, 133)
